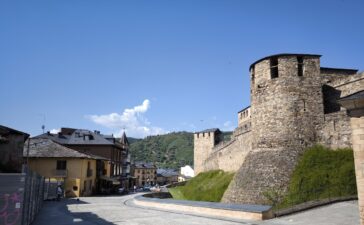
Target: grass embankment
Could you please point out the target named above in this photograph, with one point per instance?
(321, 173)
(208, 186)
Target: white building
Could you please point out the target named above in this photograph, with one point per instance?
(187, 171)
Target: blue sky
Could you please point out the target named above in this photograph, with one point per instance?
(156, 66)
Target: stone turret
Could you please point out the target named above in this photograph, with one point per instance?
(286, 113)
(204, 141)
(286, 101)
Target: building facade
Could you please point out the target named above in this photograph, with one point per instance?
(75, 171)
(293, 106)
(11, 149)
(187, 171)
(145, 174)
(167, 176)
(113, 174)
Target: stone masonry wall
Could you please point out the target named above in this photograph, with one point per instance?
(286, 113)
(244, 116)
(229, 156)
(203, 144)
(336, 131)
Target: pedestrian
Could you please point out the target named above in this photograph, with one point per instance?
(134, 188)
(59, 192)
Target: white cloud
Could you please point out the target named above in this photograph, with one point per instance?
(227, 123)
(132, 120)
(55, 131)
(228, 126)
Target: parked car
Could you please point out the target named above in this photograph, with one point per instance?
(122, 191)
(146, 188)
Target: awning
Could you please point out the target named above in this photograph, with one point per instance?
(113, 180)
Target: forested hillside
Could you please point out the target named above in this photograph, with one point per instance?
(171, 150)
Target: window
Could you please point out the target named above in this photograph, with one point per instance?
(253, 74)
(61, 164)
(300, 66)
(274, 68)
(304, 105)
(90, 185)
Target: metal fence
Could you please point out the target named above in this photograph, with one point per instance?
(21, 197)
(33, 196)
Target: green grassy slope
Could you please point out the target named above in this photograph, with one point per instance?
(208, 186)
(321, 173)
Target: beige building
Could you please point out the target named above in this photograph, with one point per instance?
(113, 175)
(74, 170)
(145, 174)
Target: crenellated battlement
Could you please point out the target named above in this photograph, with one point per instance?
(244, 116)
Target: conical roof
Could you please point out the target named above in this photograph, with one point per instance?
(124, 139)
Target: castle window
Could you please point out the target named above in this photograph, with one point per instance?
(253, 74)
(300, 66)
(274, 68)
(304, 105)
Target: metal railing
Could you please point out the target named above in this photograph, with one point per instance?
(33, 196)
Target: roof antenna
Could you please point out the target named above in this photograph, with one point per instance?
(44, 118)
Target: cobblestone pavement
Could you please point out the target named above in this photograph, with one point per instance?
(121, 210)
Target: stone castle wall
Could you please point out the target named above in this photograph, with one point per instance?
(288, 113)
(230, 155)
(203, 144)
(336, 131)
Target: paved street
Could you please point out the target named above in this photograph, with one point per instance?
(121, 210)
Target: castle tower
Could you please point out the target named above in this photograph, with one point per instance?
(286, 113)
(204, 141)
(286, 101)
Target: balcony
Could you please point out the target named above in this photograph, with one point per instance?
(59, 173)
(89, 173)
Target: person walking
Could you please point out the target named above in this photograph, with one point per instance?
(59, 192)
